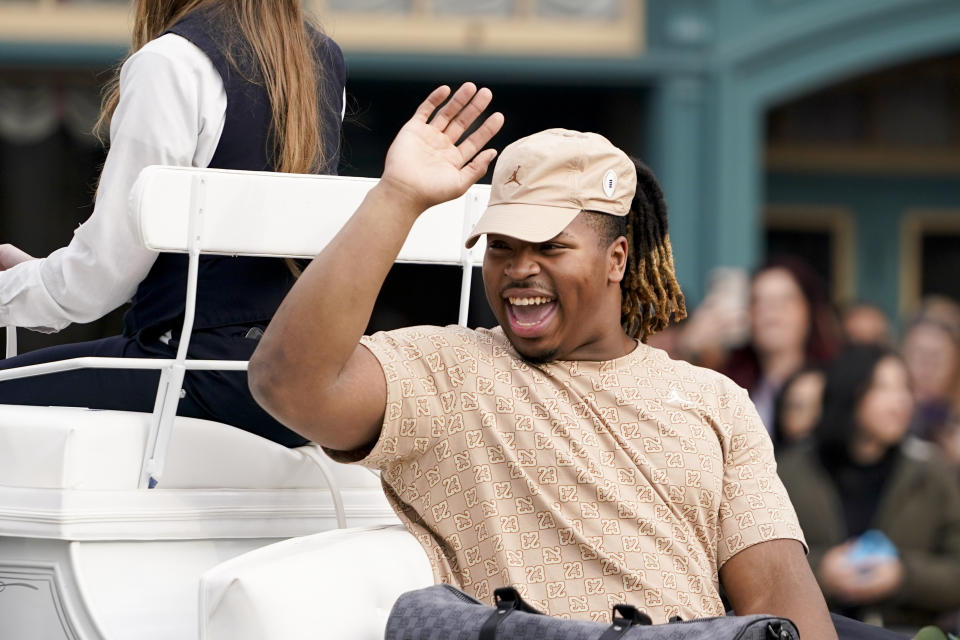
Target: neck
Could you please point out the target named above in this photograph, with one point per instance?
(777, 366)
(611, 345)
(866, 451)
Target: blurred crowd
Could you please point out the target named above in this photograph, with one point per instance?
(866, 428)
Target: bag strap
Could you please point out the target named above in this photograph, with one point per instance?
(507, 600)
(624, 617)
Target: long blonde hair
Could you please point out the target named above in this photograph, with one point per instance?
(276, 33)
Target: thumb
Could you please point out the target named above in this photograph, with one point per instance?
(477, 168)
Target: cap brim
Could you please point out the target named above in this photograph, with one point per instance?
(527, 222)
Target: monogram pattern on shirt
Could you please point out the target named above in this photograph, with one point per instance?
(583, 484)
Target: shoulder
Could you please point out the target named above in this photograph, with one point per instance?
(170, 59)
(707, 381)
(325, 46)
(440, 347)
(919, 451)
(170, 49)
(329, 56)
(925, 458)
(419, 340)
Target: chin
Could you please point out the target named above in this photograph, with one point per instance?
(533, 355)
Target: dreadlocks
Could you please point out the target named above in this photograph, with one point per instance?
(651, 295)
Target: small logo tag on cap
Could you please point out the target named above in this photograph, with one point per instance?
(513, 178)
(610, 182)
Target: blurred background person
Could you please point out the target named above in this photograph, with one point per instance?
(947, 437)
(798, 407)
(788, 324)
(721, 321)
(866, 323)
(931, 349)
(880, 510)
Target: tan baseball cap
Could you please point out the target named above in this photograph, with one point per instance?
(542, 182)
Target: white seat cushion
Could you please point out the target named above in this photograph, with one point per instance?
(339, 584)
(72, 473)
(85, 449)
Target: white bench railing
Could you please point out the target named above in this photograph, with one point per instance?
(215, 211)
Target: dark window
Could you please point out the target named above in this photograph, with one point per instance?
(813, 246)
(940, 264)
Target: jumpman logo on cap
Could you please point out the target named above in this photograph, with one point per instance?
(513, 178)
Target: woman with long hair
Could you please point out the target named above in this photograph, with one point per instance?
(231, 84)
(880, 510)
(798, 406)
(792, 325)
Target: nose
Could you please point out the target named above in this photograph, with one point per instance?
(521, 265)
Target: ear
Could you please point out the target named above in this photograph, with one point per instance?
(617, 260)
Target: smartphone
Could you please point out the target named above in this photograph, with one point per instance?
(872, 547)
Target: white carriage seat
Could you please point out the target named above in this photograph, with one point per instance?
(84, 474)
(92, 501)
(337, 584)
(72, 473)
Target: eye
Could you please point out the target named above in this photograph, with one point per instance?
(551, 247)
(497, 245)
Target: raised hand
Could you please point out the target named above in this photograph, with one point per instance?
(425, 163)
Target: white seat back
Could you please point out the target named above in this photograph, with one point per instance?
(284, 215)
(229, 212)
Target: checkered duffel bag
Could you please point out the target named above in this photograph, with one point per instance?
(442, 612)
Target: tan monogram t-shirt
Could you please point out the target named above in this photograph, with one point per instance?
(583, 484)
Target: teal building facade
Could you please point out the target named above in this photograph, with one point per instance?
(733, 103)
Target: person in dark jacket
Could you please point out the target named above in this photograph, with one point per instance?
(230, 84)
(880, 510)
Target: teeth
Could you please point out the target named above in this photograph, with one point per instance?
(523, 302)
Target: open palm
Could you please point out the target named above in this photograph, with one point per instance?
(425, 162)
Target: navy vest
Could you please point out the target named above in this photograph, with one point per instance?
(235, 290)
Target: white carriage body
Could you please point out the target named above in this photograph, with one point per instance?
(89, 551)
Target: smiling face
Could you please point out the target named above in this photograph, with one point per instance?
(802, 405)
(559, 299)
(883, 414)
(780, 315)
(933, 360)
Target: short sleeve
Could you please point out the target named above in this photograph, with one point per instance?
(421, 373)
(754, 506)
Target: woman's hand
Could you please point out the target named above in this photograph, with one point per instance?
(10, 256)
(425, 164)
(837, 575)
(859, 583)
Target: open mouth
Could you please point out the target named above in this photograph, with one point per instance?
(529, 315)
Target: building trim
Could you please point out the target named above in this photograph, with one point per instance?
(840, 223)
(914, 224)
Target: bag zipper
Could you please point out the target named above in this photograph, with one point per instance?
(740, 635)
(460, 595)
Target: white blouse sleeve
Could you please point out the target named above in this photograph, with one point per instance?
(171, 111)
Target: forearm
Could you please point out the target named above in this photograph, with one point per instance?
(319, 324)
(802, 603)
(70, 285)
(774, 578)
(308, 370)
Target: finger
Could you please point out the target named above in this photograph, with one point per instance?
(479, 138)
(460, 98)
(463, 120)
(476, 168)
(434, 100)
